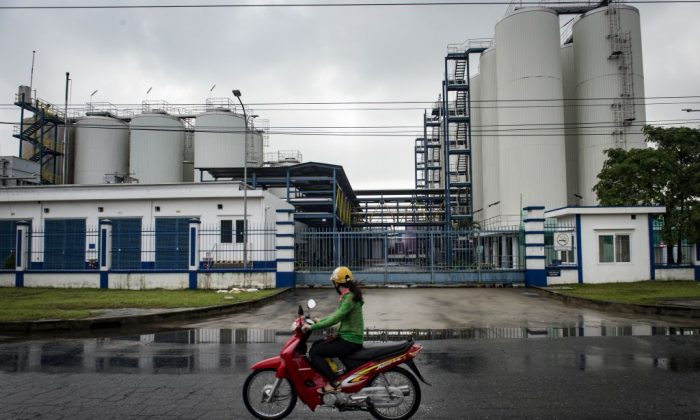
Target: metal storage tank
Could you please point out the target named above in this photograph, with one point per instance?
(156, 145)
(477, 167)
(610, 82)
(219, 140)
(489, 132)
(568, 71)
(531, 141)
(101, 149)
(255, 149)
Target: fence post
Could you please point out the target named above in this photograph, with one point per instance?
(193, 260)
(284, 245)
(431, 236)
(697, 261)
(386, 254)
(535, 274)
(21, 251)
(105, 252)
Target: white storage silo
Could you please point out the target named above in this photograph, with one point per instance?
(101, 149)
(488, 132)
(530, 111)
(610, 88)
(156, 145)
(568, 71)
(219, 140)
(255, 149)
(475, 119)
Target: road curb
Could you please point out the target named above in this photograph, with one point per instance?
(92, 324)
(630, 308)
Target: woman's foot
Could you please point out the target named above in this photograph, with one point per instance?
(329, 387)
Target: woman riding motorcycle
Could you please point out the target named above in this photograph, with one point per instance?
(350, 333)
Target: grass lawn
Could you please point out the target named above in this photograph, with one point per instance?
(24, 304)
(642, 292)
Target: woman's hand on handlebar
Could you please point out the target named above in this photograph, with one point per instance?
(306, 328)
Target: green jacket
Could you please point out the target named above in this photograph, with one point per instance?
(349, 314)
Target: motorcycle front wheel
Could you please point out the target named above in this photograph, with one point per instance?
(398, 377)
(256, 392)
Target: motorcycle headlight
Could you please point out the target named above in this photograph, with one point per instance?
(294, 326)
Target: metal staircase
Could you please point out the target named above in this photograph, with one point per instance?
(40, 134)
(456, 124)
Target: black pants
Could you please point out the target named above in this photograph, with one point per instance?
(334, 348)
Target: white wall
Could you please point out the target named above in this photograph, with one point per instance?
(594, 271)
(62, 280)
(7, 280)
(259, 280)
(148, 202)
(567, 277)
(675, 274)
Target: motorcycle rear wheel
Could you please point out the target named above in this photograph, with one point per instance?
(398, 377)
(254, 389)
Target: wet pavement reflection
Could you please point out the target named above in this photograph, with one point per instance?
(234, 350)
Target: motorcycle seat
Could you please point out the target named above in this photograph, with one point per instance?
(380, 351)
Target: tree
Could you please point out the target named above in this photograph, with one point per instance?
(667, 173)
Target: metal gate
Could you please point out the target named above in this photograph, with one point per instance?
(64, 245)
(411, 257)
(126, 244)
(172, 244)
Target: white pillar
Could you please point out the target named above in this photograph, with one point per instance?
(21, 252)
(284, 244)
(193, 255)
(535, 274)
(105, 247)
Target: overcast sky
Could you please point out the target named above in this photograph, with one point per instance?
(293, 55)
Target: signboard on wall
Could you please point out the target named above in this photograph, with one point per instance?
(563, 241)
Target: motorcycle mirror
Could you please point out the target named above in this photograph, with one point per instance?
(301, 311)
(311, 304)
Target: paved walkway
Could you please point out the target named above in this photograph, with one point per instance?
(439, 308)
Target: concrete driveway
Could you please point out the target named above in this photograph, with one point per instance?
(439, 308)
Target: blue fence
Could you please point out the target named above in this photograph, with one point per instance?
(71, 246)
(668, 254)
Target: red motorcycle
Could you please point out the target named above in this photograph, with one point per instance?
(372, 380)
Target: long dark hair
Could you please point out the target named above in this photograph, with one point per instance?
(355, 290)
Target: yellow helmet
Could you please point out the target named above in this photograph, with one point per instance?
(341, 275)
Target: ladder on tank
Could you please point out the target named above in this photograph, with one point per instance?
(621, 51)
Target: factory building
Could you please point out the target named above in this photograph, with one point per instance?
(539, 114)
(163, 196)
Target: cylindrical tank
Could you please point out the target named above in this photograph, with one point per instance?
(219, 140)
(568, 73)
(255, 149)
(156, 145)
(488, 132)
(101, 150)
(530, 111)
(610, 83)
(24, 94)
(475, 119)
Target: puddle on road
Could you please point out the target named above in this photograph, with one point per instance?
(233, 351)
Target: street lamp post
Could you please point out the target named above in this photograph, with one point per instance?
(237, 94)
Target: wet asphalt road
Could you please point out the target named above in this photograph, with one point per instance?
(579, 364)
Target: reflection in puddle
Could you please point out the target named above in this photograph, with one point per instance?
(226, 351)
